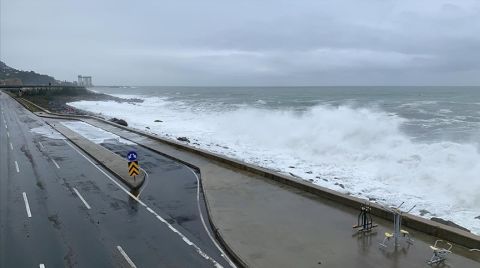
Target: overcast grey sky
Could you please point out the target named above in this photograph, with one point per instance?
(246, 42)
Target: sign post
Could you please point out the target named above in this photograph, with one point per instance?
(133, 167)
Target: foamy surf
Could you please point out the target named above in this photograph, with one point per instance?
(359, 151)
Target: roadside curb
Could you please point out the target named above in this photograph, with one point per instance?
(417, 223)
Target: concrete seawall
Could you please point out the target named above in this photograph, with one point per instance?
(417, 223)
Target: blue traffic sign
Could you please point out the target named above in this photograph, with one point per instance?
(132, 156)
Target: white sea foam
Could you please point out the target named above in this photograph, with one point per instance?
(94, 134)
(48, 132)
(361, 149)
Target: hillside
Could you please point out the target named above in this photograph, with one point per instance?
(14, 76)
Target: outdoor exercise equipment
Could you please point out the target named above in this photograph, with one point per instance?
(364, 220)
(439, 253)
(398, 232)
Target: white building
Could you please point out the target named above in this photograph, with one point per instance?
(85, 81)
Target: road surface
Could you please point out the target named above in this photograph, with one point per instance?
(58, 208)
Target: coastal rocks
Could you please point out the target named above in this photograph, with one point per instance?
(185, 139)
(119, 121)
(423, 212)
(449, 223)
(293, 175)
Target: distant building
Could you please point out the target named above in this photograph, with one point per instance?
(85, 81)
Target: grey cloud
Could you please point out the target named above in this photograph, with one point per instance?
(269, 42)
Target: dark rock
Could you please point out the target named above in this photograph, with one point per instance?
(325, 179)
(185, 139)
(318, 177)
(449, 223)
(423, 212)
(147, 127)
(158, 121)
(335, 178)
(291, 167)
(478, 217)
(309, 172)
(119, 121)
(341, 185)
(293, 175)
(372, 199)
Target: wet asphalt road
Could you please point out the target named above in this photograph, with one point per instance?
(107, 227)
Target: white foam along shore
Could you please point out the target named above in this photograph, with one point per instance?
(357, 151)
(94, 134)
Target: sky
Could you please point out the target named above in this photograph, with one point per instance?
(245, 42)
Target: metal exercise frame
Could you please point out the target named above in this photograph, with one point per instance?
(398, 233)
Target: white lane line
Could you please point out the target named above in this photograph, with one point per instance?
(41, 145)
(27, 206)
(130, 262)
(197, 249)
(42, 265)
(6, 126)
(225, 256)
(81, 198)
(16, 166)
(55, 163)
(8, 134)
(11, 146)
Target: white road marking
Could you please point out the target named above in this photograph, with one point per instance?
(27, 206)
(81, 198)
(41, 145)
(16, 166)
(6, 126)
(42, 265)
(197, 249)
(55, 163)
(8, 134)
(130, 262)
(11, 146)
(225, 256)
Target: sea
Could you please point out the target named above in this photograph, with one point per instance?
(419, 146)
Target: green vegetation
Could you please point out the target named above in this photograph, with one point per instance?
(26, 77)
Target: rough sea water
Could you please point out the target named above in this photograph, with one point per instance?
(418, 145)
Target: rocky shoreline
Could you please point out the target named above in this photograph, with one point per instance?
(58, 102)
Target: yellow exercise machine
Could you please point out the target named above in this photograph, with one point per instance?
(398, 232)
(440, 253)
